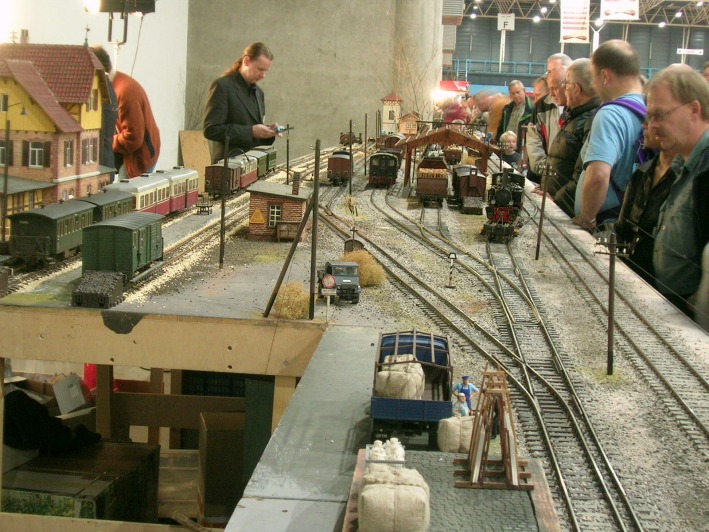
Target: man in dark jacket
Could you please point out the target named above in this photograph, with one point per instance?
(581, 102)
(544, 124)
(516, 114)
(236, 107)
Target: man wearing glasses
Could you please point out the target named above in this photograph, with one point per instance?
(610, 151)
(678, 116)
(544, 124)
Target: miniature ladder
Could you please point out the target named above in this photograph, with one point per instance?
(507, 473)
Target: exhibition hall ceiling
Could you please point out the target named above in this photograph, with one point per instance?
(670, 12)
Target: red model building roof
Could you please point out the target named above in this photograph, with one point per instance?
(67, 70)
(29, 79)
(393, 97)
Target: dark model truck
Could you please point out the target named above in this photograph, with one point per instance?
(340, 279)
(409, 417)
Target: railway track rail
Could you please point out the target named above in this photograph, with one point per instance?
(645, 343)
(583, 481)
(521, 325)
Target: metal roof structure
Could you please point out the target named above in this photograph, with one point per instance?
(693, 14)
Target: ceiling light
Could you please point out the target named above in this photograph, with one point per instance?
(700, 4)
(536, 18)
(473, 16)
(678, 14)
(662, 24)
(544, 10)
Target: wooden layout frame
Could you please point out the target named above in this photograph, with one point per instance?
(108, 338)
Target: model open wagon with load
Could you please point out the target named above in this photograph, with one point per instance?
(432, 179)
(412, 384)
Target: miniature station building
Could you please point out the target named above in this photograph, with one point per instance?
(276, 210)
(53, 98)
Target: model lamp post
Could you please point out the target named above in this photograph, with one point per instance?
(5, 107)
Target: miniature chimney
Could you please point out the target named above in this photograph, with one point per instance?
(24, 36)
(296, 183)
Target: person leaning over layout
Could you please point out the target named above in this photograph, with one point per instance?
(137, 136)
(678, 116)
(609, 154)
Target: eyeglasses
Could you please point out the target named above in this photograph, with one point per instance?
(660, 117)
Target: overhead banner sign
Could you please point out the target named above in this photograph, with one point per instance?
(690, 51)
(575, 21)
(620, 9)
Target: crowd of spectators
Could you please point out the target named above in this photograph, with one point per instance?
(585, 135)
(589, 138)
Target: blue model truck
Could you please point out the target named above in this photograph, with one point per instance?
(394, 416)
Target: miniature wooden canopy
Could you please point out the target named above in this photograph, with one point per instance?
(445, 136)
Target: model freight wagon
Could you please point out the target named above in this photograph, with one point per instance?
(412, 384)
(127, 244)
(432, 179)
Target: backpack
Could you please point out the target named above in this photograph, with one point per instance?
(642, 154)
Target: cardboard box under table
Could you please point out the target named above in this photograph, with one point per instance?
(117, 481)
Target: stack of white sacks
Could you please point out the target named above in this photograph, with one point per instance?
(392, 499)
(454, 434)
(403, 380)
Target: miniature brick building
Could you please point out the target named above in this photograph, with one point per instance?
(53, 97)
(276, 209)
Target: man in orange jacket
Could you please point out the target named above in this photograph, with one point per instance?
(137, 136)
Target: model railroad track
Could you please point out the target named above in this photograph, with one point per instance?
(588, 500)
(536, 365)
(209, 235)
(672, 376)
(26, 280)
(426, 220)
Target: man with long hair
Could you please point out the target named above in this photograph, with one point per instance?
(236, 107)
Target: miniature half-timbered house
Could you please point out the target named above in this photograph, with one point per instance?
(276, 210)
(391, 112)
(52, 95)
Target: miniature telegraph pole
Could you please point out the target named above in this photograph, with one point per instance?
(351, 163)
(313, 250)
(452, 256)
(611, 244)
(287, 152)
(365, 147)
(547, 173)
(224, 189)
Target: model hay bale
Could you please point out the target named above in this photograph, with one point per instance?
(398, 385)
(292, 302)
(454, 434)
(394, 500)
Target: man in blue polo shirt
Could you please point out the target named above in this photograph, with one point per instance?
(610, 152)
